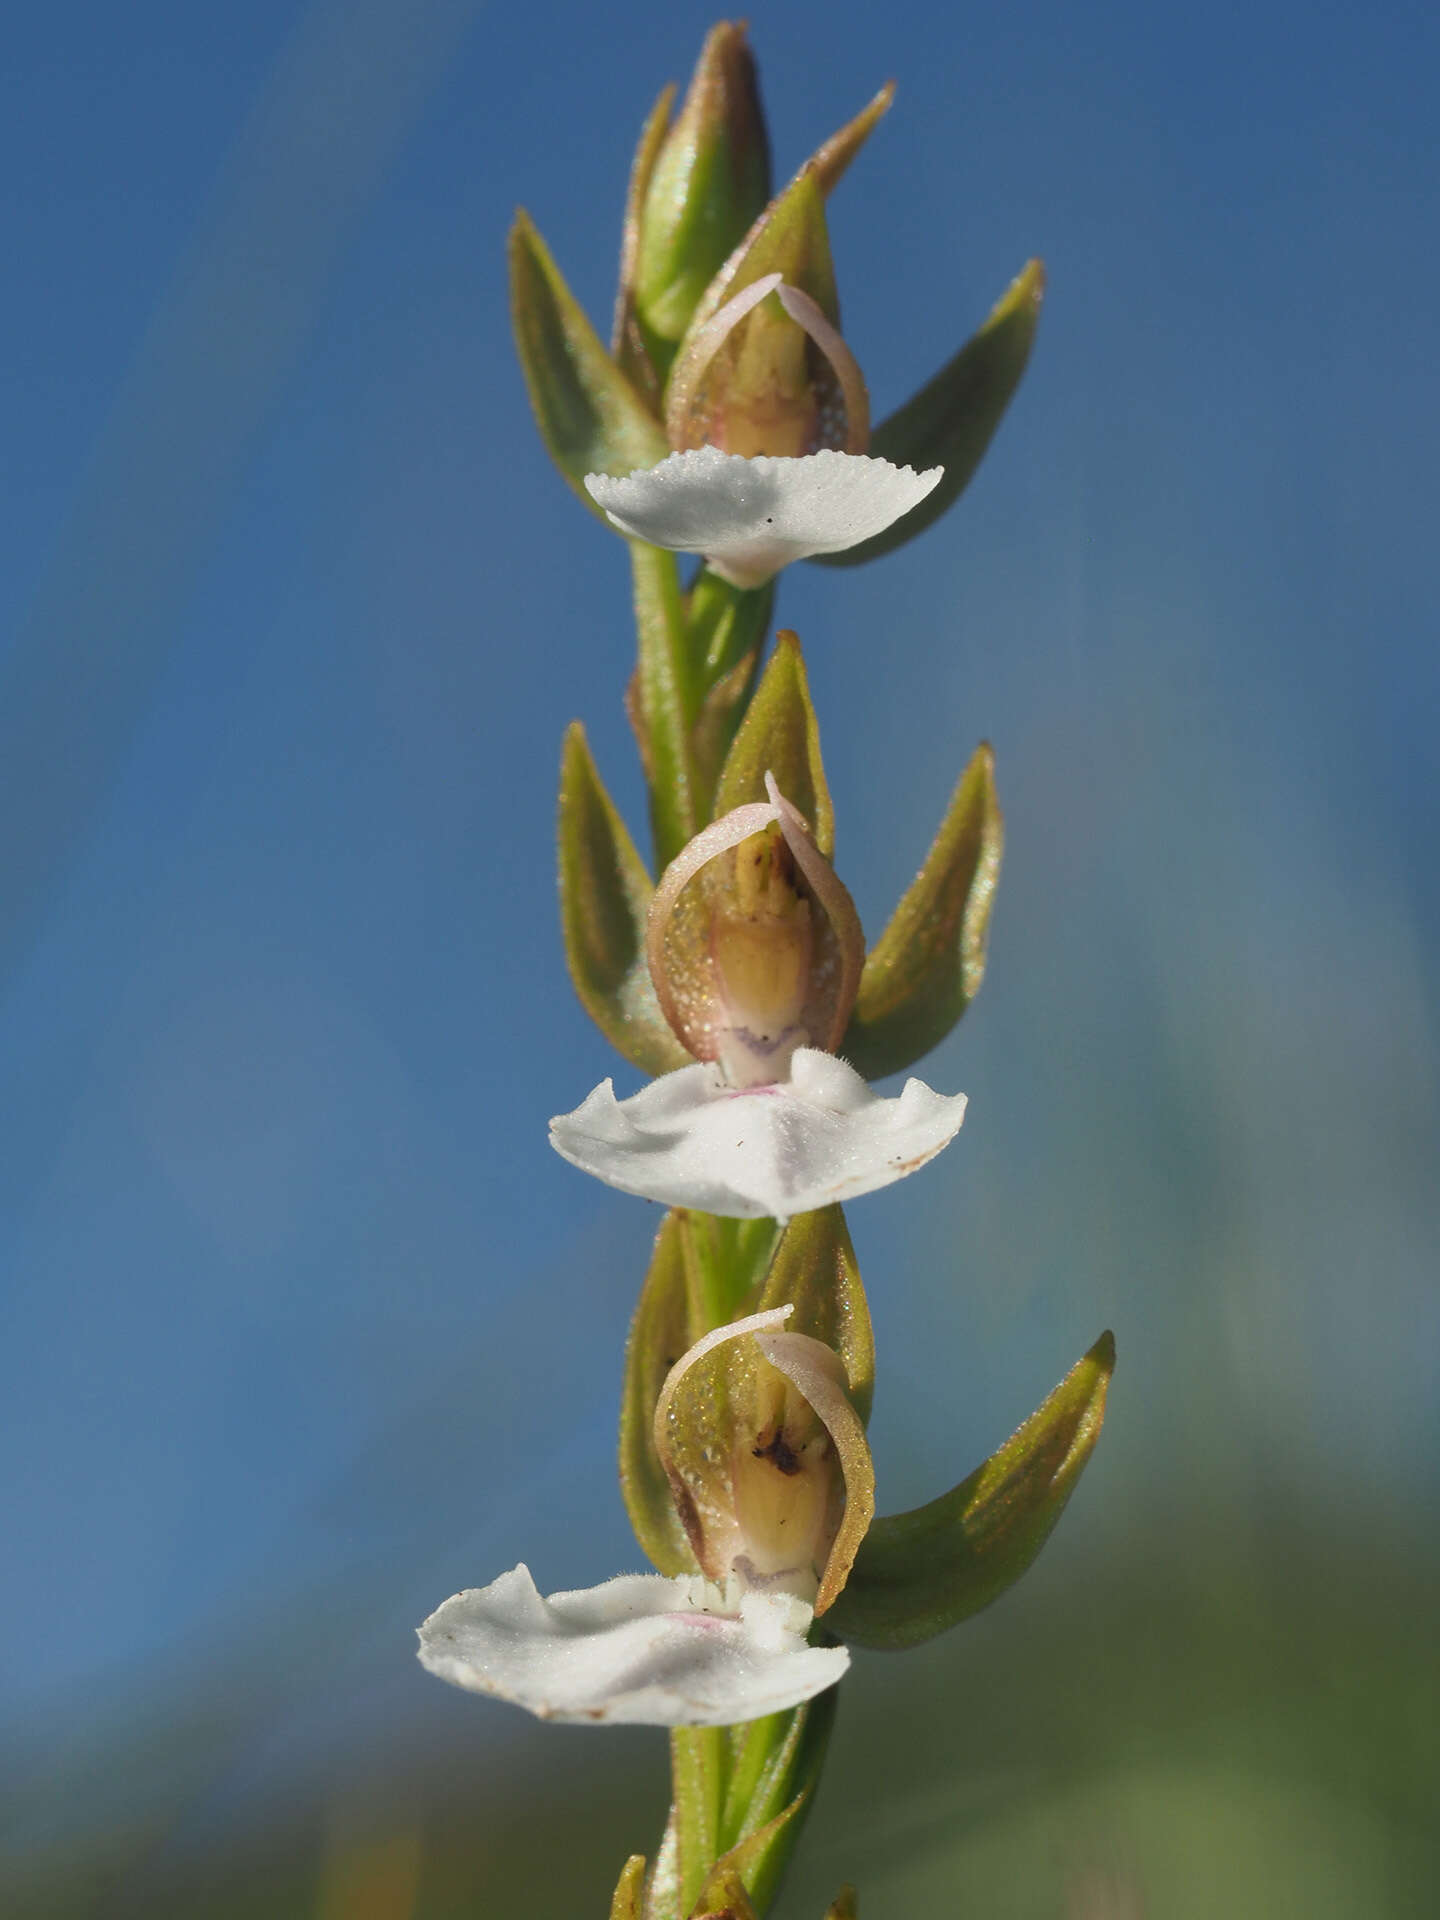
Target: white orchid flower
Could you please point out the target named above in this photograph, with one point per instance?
(736, 492)
(755, 950)
(723, 1645)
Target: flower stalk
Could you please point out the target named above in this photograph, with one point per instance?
(729, 419)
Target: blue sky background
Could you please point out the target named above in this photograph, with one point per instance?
(293, 612)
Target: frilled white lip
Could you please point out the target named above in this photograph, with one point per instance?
(752, 517)
(687, 1140)
(640, 1649)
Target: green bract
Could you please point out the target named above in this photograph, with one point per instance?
(918, 1573)
(604, 895)
(927, 966)
(590, 416)
(951, 420)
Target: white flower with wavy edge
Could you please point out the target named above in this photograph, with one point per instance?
(752, 515)
(756, 971)
(708, 1649)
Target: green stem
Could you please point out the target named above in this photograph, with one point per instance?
(697, 1767)
(666, 699)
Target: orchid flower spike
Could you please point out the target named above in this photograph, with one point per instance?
(755, 951)
(772, 1478)
(768, 411)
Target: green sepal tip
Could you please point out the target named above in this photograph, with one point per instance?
(950, 422)
(927, 966)
(780, 734)
(918, 1573)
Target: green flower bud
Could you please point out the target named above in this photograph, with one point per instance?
(709, 182)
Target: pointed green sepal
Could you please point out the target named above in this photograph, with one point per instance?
(626, 1903)
(789, 238)
(604, 896)
(831, 160)
(814, 1269)
(781, 735)
(927, 966)
(590, 416)
(629, 348)
(951, 420)
(702, 1273)
(710, 182)
(918, 1573)
(723, 1897)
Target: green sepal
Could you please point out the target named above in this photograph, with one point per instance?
(951, 420)
(629, 346)
(830, 161)
(721, 712)
(625, 1903)
(814, 1269)
(790, 238)
(845, 1906)
(702, 1273)
(918, 1573)
(781, 735)
(591, 418)
(927, 966)
(604, 896)
(710, 182)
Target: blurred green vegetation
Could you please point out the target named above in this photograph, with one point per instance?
(1176, 1732)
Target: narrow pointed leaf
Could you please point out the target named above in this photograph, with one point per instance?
(604, 896)
(918, 1573)
(629, 1889)
(628, 347)
(591, 418)
(814, 1269)
(781, 735)
(952, 419)
(758, 1861)
(927, 966)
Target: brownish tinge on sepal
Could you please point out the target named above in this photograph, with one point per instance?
(845, 1906)
(766, 1458)
(709, 182)
(754, 944)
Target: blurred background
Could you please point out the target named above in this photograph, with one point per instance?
(303, 1327)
